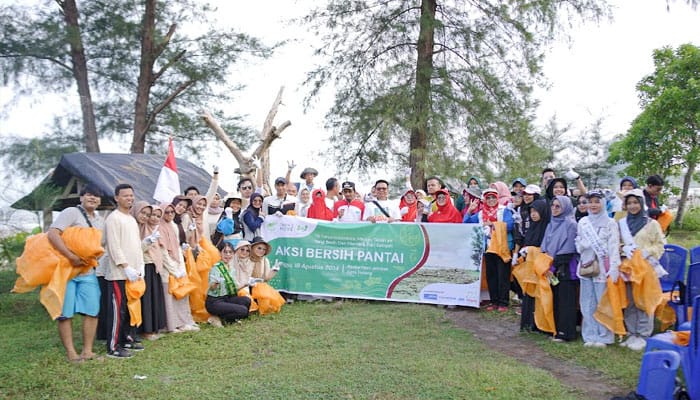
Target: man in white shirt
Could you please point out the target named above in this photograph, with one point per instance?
(280, 201)
(124, 262)
(349, 209)
(382, 209)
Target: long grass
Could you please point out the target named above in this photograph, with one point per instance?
(321, 350)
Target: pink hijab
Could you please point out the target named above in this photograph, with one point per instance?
(503, 192)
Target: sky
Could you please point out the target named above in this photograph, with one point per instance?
(592, 74)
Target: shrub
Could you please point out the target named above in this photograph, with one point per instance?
(691, 219)
(12, 246)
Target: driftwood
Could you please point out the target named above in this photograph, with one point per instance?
(267, 135)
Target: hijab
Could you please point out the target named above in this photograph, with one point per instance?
(635, 222)
(629, 179)
(135, 211)
(412, 213)
(251, 208)
(535, 233)
(503, 192)
(178, 217)
(447, 212)
(318, 208)
(524, 211)
(154, 251)
(216, 210)
(601, 219)
(550, 188)
(168, 237)
(489, 213)
(560, 235)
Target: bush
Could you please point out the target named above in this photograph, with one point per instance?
(691, 219)
(12, 246)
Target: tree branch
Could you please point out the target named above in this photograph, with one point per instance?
(243, 161)
(167, 101)
(40, 57)
(164, 43)
(170, 62)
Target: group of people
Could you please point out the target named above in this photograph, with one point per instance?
(202, 257)
(578, 250)
(159, 273)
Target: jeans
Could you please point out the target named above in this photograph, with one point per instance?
(592, 330)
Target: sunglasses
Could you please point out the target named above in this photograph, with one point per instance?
(169, 212)
(244, 249)
(556, 206)
(246, 187)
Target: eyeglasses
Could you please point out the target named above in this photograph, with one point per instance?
(246, 187)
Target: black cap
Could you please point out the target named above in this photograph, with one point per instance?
(348, 185)
(280, 180)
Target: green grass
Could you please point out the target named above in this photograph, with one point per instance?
(687, 239)
(350, 350)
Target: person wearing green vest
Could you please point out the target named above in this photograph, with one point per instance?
(222, 298)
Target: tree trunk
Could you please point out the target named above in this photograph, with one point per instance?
(143, 90)
(267, 135)
(422, 106)
(684, 193)
(80, 73)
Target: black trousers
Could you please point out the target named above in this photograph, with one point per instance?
(565, 313)
(116, 315)
(527, 315)
(498, 279)
(228, 308)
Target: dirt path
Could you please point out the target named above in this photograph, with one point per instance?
(502, 335)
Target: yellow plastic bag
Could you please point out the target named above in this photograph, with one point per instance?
(268, 299)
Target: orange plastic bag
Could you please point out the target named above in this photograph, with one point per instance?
(544, 298)
(41, 264)
(134, 291)
(246, 293)
(524, 272)
(665, 219)
(499, 241)
(198, 273)
(268, 299)
(180, 287)
(612, 302)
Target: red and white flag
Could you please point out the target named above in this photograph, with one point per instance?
(168, 185)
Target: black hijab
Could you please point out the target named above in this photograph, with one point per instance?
(550, 188)
(535, 233)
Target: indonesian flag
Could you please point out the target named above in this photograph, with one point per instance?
(168, 185)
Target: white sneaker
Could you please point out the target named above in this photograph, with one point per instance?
(599, 345)
(626, 340)
(589, 344)
(639, 344)
(215, 321)
(190, 328)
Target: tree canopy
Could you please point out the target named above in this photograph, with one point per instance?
(425, 81)
(665, 137)
(150, 66)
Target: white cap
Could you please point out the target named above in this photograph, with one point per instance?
(532, 189)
